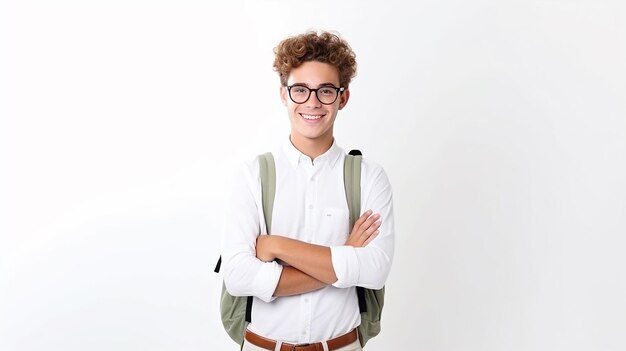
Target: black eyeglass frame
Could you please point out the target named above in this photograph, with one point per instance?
(338, 91)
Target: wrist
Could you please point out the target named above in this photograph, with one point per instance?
(275, 246)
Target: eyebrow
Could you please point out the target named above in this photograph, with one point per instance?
(319, 86)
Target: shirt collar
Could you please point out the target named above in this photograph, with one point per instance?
(295, 157)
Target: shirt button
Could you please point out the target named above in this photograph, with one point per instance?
(310, 207)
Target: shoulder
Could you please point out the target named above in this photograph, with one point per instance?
(371, 167)
(244, 171)
(373, 175)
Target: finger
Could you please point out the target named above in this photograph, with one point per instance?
(373, 228)
(358, 224)
(362, 233)
(370, 221)
(363, 217)
(372, 237)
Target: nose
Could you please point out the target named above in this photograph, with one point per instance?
(313, 100)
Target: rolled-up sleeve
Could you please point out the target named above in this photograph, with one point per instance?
(244, 274)
(369, 266)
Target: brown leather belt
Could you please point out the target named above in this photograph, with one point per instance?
(333, 344)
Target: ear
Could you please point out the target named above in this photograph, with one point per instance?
(343, 98)
(283, 94)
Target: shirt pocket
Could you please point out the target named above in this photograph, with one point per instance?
(334, 226)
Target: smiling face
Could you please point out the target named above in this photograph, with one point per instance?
(312, 122)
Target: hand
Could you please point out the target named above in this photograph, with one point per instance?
(263, 248)
(365, 229)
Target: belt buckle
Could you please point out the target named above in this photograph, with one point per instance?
(295, 346)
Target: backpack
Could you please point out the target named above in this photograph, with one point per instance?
(236, 311)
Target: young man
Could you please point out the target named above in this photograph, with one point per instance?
(303, 276)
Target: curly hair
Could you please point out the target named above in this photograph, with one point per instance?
(323, 47)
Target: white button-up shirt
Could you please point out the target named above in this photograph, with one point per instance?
(310, 205)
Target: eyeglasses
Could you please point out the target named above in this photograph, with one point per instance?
(301, 93)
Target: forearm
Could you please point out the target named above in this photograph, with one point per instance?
(314, 260)
(293, 282)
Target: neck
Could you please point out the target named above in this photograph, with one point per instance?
(311, 148)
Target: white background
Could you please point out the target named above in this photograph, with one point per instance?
(501, 124)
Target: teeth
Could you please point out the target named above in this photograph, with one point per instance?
(310, 117)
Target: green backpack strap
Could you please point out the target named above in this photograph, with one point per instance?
(370, 301)
(352, 184)
(267, 169)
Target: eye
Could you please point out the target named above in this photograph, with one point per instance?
(327, 91)
(299, 89)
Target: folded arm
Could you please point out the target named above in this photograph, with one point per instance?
(310, 266)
